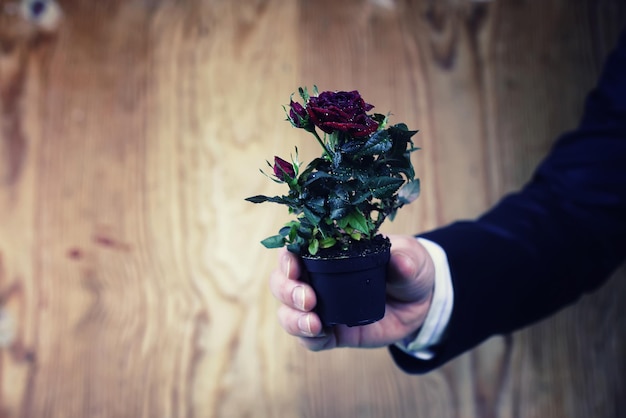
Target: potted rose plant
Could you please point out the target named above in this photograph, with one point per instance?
(340, 199)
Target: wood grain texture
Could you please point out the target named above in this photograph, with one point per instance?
(132, 283)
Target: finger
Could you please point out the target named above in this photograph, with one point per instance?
(411, 272)
(293, 293)
(289, 264)
(319, 343)
(402, 266)
(299, 324)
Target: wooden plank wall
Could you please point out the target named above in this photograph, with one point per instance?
(132, 283)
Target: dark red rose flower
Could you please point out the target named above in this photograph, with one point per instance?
(298, 115)
(341, 111)
(283, 169)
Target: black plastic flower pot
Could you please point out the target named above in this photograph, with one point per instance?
(350, 290)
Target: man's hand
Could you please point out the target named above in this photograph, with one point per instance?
(410, 283)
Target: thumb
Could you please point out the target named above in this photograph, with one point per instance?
(411, 271)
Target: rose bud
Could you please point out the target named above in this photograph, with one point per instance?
(283, 169)
(298, 115)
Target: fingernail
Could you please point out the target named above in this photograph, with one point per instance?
(304, 323)
(298, 297)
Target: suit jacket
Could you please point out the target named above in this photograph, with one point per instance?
(542, 248)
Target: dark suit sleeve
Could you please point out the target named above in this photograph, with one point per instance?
(542, 248)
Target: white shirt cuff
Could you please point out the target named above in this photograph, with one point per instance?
(440, 309)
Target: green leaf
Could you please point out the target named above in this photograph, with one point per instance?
(338, 213)
(400, 130)
(380, 118)
(342, 223)
(320, 182)
(328, 242)
(317, 163)
(316, 205)
(357, 221)
(275, 241)
(314, 246)
(409, 192)
(379, 143)
(384, 187)
(273, 199)
(293, 233)
(400, 165)
(295, 247)
(338, 207)
(304, 230)
(356, 235)
(392, 215)
(311, 216)
(401, 137)
(257, 199)
(304, 93)
(350, 147)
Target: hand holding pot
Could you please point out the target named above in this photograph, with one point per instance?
(410, 284)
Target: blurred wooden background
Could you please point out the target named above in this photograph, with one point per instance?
(132, 283)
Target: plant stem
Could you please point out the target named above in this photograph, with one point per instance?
(321, 142)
